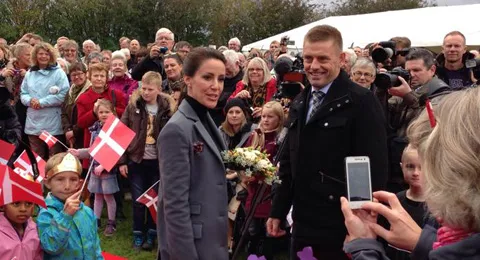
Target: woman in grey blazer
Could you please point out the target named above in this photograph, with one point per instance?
(192, 209)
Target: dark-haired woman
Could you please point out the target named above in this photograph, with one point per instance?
(173, 68)
(236, 129)
(192, 212)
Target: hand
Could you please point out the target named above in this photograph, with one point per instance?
(74, 152)
(357, 222)
(154, 51)
(72, 204)
(273, 227)
(243, 94)
(404, 232)
(7, 73)
(257, 112)
(34, 103)
(23, 72)
(401, 90)
(98, 170)
(69, 135)
(124, 170)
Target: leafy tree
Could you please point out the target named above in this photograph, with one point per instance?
(351, 7)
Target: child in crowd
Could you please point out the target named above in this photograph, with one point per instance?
(18, 233)
(102, 183)
(146, 114)
(67, 228)
(412, 199)
(264, 138)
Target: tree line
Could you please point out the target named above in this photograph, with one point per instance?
(200, 22)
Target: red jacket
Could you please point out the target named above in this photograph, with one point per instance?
(271, 89)
(86, 117)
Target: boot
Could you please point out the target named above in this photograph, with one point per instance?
(111, 228)
(137, 240)
(151, 237)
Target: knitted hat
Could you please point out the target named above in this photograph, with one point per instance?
(236, 102)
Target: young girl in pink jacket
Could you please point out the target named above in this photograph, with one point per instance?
(18, 233)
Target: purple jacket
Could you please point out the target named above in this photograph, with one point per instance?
(12, 247)
(125, 84)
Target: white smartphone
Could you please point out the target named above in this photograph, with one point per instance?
(359, 187)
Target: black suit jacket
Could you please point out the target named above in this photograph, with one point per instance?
(350, 122)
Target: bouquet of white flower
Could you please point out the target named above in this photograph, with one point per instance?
(253, 162)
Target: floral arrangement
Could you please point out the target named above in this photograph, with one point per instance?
(253, 162)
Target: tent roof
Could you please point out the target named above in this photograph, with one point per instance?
(425, 27)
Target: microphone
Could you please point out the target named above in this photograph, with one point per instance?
(282, 66)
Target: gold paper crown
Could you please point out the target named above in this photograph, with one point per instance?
(69, 164)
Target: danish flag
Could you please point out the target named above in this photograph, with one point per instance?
(23, 163)
(149, 199)
(111, 143)
(49, 139)
(15, 188)
(6, 151)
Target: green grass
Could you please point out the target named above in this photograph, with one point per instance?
(121, 243)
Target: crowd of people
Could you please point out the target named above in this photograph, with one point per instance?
(187, 105)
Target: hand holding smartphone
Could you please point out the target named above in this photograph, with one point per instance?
(359, 187)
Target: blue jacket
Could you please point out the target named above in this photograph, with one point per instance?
(65, 237)
(37, 84)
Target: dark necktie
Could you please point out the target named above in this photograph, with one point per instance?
(317, 97)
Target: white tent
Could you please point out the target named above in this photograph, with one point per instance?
(425, 27)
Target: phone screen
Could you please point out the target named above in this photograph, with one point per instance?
(359, 181)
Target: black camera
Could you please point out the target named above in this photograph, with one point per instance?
(474, 65)
(290, 76)
(386, 80)
(387, 51)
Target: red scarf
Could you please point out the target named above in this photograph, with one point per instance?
(446, 236)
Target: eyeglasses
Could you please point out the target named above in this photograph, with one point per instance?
(71, 50)
(359, 74)
(255, 69)
(77, 75)
(164, 38)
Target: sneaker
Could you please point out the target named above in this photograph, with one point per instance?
(151, 237)
(137, 240)
(110, 229)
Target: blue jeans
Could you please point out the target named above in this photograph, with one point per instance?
(142, 176)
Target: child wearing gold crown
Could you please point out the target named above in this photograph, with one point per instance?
(67, 228)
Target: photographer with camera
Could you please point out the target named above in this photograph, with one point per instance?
(391, 54)
(451, 63)
(407, 102)
(164, 41)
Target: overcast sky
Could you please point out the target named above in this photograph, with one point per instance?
(439, 2)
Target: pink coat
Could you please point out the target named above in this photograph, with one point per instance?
(11, 247)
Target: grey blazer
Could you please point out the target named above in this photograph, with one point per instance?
(192, 195)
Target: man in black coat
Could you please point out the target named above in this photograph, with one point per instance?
(341, 120)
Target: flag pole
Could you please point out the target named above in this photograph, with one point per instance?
(148, 189)
(86, 177)
(63, 144)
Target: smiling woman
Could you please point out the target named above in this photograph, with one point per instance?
(192, 212)
(43, 91)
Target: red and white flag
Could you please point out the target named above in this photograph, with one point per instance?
(6, 151)
(23, 162)
(49, 139)
(150, 199)
(15, 188)
(111, 143)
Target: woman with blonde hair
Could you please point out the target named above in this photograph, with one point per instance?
(43, 91)
(265, 138)
(257, 86)
(452, 190)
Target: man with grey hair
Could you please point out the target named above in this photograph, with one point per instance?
(164, 38)
(88, 47)
(234, 44)
(233, 74)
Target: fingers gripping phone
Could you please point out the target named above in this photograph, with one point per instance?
(359, 185)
